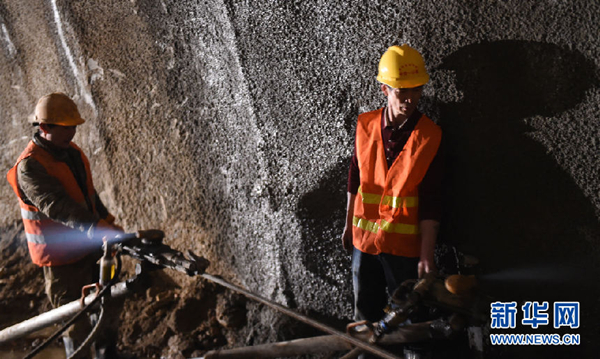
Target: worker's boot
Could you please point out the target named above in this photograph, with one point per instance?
(99, 351)
(69, 346)
(417, 353)
(109, 352)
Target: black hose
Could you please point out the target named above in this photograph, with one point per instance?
(325, 328)
(91, 336)
(42, 346)
(99, 323)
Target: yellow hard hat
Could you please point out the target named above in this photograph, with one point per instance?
(402, 67)
(56, 109)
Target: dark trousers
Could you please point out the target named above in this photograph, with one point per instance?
(63, 285)
(375, 278)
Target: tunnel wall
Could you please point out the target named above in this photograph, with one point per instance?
(230, 125)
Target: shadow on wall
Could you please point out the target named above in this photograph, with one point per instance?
(323, 215)
(508, 201)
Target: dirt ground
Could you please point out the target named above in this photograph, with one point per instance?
(161, 321)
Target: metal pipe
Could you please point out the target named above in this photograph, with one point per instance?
(325, 328)
(314, 345)
(353, 354)
(410, 333)
(53, 316)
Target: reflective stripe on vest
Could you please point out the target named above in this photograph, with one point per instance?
(55, 239)
(38, 237)
(35, 238)
(394, 202)
(33, 216)
(374, 227)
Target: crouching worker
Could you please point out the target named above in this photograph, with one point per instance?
(63, 216)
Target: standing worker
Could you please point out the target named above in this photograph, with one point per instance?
(394, 187)
(63, 216)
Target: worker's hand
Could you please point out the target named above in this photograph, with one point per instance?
(110, 219)
(117, 227)
(426, 265)
(104, 229)
(347, 239)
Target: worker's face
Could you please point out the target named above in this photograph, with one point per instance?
(59, 136)
(401, 102)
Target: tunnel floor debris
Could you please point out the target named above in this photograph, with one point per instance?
(163, 321)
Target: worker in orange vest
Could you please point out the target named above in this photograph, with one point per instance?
(394, 187)
(63, 216)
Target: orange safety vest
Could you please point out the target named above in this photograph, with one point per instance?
(52, 243)
(386, 209)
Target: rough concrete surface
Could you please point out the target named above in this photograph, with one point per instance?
(230, 124)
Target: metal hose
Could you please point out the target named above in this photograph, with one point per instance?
(356, 342)
(91, 336)
(42, 346)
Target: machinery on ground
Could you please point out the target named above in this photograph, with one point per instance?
(147, 247)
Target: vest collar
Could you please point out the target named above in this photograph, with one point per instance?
(407, 125)
(61, 154)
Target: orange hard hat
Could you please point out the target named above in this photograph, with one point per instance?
(57, 109)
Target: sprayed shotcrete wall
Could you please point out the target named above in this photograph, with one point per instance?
(230, 124)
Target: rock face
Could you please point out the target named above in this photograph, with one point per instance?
(230, 124)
